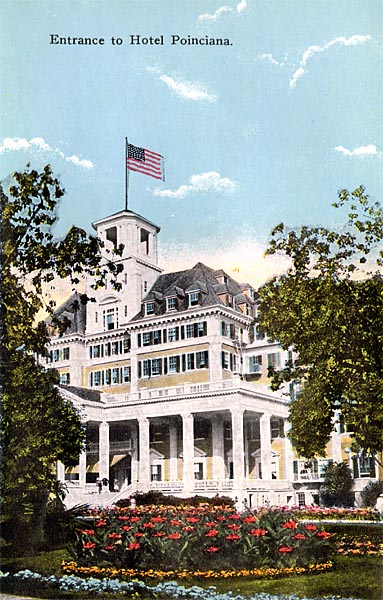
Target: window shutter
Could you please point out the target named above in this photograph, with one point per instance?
(206, 359)
(182, 328)
(139, 369)
(232, 331)
(222, 328)
(183, 362)
(139, 340)
(222, 359)
(164, 336)
(177, 333)
(165, 365)
(231, 362)
(178, 364)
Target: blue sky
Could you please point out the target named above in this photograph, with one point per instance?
(264, 130)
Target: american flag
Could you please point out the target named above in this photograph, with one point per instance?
(145, 161)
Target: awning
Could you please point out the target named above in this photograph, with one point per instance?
(72, 470)
(116, 459)
(93, 468)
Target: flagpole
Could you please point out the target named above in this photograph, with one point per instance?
(126, 174)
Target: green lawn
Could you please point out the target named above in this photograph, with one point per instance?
(354, 577)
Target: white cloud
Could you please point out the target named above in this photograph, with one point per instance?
(40, 145)
(369, 150)
(271, 59)
(206, 182)
(80, 162)
(311, 50)
(240, 7)
(187, 89)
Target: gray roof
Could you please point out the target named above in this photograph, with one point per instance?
(200, 277)
(83, 393)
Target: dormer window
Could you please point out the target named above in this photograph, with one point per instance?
(149, 308)
(171, 304)
(193, 299)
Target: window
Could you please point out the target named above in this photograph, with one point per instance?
(96, 378)
(156, 472)
(145, 286)
(202, 359)
(155, 366)
(274, 360)
(66, 353)
(173, 364)
(149, 308)
(56, 355)
(363, 466)
(110, 318)
(255, 364)
(144, 239)
(127, 374)
(277, 427)
(193, 299)
(301, 499)
(172, 334)
(253, 430)
(171, 303)
(146, 338)
(65, 378)
(227, 433)
(115, 376)
(189, 330)
(157, 336)
(111, 235)
(198, 471)
(190, 362)
(146, 368)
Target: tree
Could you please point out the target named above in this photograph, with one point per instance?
(329, 309)
(337, 484)
(38, 426)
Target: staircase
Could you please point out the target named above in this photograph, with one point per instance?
(96, 499)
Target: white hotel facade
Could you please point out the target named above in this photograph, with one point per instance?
(170, 377)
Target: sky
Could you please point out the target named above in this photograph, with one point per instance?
(266, 128)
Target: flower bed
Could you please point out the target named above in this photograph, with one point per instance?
(318, 513)
(191, 538)
(95, 587)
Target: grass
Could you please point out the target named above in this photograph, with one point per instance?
(354, 577)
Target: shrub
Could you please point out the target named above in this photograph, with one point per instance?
(158, 498)
(336, 489)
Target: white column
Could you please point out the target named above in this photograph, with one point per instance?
(60, 471)
(103, 450)
(218, 448)
(172, 451)
(82, 470)
(188, 453)
(336, 446)
(134, 455)
(144, 445)
(265, 446)
(289, 453)
(238, 448)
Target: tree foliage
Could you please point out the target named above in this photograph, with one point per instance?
(38, 426)
(337, 484)
(329, 309)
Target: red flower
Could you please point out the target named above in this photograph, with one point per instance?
(188, 528)
(100, 523)
(212, 549)
(309, 527)
(249, 519)
(175, 522)
(289, 525)
(211, 533)
(233, 526)
(114, 536)
(232, 536)
(210, 524)
(134, 519)
(285, 549)
(111, 547)
(192, 520)
(158, 534)
(220, 518)
(149, 525)
(258, 532)
(87, 531)
(133, 546)
(323, 534)
(174, 536)
(139, 534)
(234, 517)
(126, 527)
(158, 519)
(299, 536)
(88, 546)
(124, 518)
